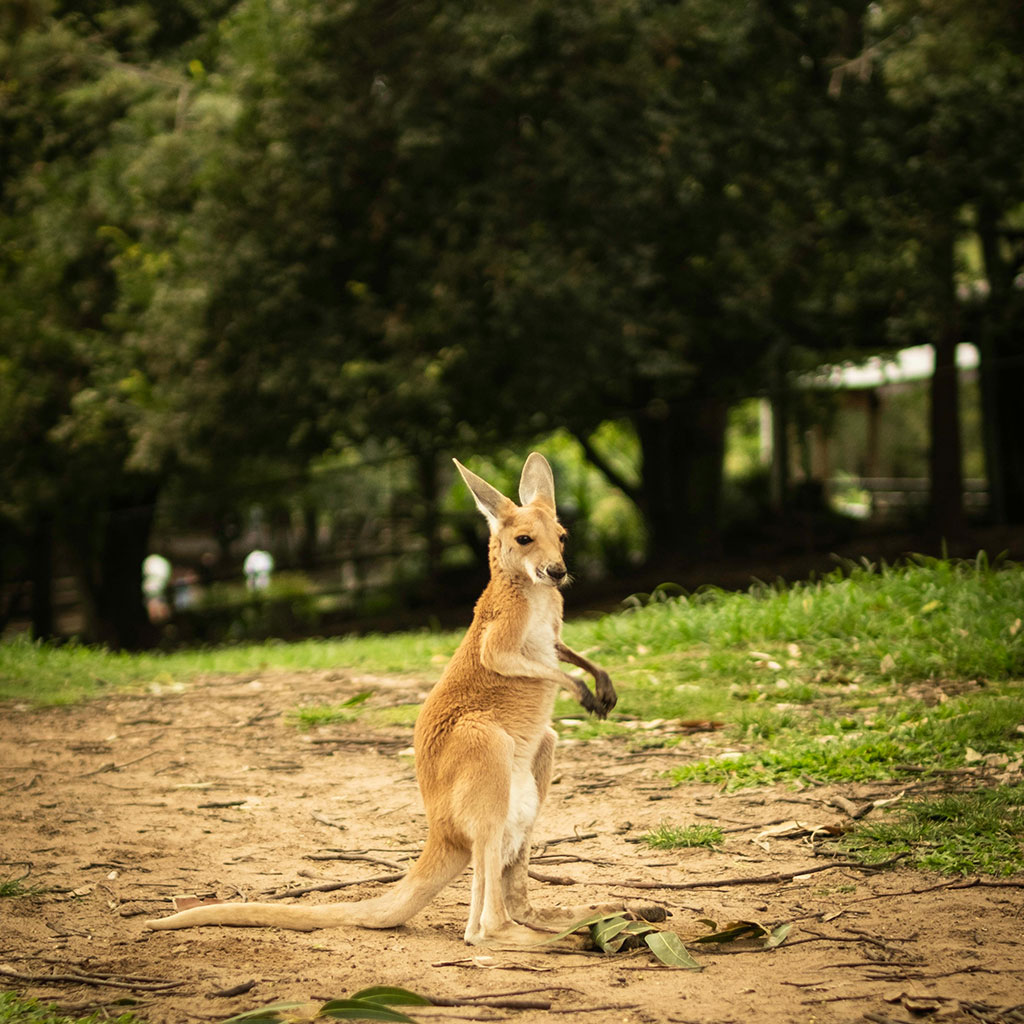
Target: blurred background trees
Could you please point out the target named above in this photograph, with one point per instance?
(243, 243)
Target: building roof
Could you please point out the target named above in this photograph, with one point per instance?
(909, 364)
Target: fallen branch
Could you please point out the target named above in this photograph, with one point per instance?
(235, 990)
(969, 883)
(855, 811)
(142, 985)
(779, 876)
(332, 886)
(578, 838)
(595, 1009)
(539, 876)
(327, 821)
(342, 855)
(112, 767)
(494, 1004)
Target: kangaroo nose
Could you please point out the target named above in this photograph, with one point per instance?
(556, 572)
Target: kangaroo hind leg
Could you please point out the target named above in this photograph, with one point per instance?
(515, 876)
(495, 805)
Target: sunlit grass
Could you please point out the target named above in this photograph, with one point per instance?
(871, 673)
(665, 836)
(14, 887)
(910, 739)
(980, 831)
(63, 674)
(694, 654)
(314, 716)
(839, 643)
(15, 1009)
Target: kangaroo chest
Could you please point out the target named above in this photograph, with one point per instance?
(542, 627)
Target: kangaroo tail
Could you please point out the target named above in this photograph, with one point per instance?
(436, 866)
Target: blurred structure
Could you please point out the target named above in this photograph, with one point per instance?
(156, 574)
(258, 566)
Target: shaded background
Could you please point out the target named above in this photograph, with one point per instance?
(266, 266)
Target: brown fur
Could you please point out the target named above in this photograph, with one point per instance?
(483, 740)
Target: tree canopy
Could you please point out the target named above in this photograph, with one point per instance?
(247, 234)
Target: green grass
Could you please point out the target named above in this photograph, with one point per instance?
(16, 1010)
(312, 716)
(665, 836)
(50, 675)
(695, 656)
(873, 672)
(908, 740)
(978, 832)
(861, 626)
(15, 888)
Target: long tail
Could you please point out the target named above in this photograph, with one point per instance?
(437, 865)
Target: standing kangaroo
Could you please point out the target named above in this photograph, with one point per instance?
(483, 741)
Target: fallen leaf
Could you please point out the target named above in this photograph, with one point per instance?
(796, 830)
(669, 949)
(778, 935)
(734, 931)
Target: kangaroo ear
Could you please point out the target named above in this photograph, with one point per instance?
(537, 484)
(489, 500)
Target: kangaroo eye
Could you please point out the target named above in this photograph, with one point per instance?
(524, 540)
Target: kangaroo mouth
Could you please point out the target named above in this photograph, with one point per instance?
(545, 577)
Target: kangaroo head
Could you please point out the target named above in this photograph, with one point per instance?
(527, 541)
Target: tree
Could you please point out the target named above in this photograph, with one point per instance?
(956, 77)
(494, 222)
(84, 88)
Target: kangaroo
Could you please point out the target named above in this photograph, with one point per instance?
(483, 742)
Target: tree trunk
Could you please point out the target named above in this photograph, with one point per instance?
(946, 468)
(429, 484)
(682, 449)
(41, 572)
(778, 397)
(111, 574)
(1001, 378)
(1006, 372)
(947, 484)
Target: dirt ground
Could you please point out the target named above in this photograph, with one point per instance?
(122, 803)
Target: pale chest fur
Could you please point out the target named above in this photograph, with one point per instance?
(543, 625)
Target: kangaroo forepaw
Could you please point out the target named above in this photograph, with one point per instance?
(597, 706)
(606, 697)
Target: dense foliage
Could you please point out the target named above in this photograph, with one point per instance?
(235, 237)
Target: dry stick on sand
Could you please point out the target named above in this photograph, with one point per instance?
(141, 984)
(332, 886)
(778, 876)
(970, 883)
(343, 855)
(539, 876)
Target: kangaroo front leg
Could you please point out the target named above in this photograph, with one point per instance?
(515, 663)
(606, 696)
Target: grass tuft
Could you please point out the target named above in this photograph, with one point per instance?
(15, 1009)
(675, 837)
(979, 832)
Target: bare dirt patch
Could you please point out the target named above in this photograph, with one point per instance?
(121, 803)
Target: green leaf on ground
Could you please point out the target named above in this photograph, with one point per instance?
(669, 949)
(362, 1009)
